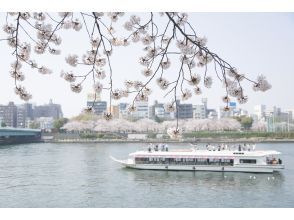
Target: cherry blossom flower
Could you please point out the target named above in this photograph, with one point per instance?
(107, 116)
(128, 26)
(70, 77)
(100, 61)
(132, 108)
(77, 88)
(138, 85)
(169, 107)
(98, 87)
(197, 91)
(186, 94)
(44, 70)
(208, 82)
(135, 20)
(146, 40)
(136, 37)
(262, 84)
(147, 91)
(88, 110)
(116, 94)
(9, 29)
(77, 25)
(163, 83)
(201, 41)
(100, 73)
(25, 15)
(226, 99)
(16, 74)
(40, 48)
(142, 97)
(195, 79)
(23, 94)
(40, 16)
(174, 133)
(129, 83)
(72, 60)
(147, 72)
(144, 61)
(165, 64)
(242, 99)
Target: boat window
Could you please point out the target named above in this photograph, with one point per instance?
(253, 161)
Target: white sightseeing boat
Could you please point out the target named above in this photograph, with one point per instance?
(222, 158)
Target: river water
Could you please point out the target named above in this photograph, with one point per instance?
(83, 175)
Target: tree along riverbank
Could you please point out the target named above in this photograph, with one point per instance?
(194, 137)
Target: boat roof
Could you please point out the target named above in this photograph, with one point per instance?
(207, 153)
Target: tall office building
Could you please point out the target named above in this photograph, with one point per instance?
(260, 112)
(8, 114)
(184, 111)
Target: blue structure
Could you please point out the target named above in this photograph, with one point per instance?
(19, 135)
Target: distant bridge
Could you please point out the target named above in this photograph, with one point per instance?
(19, 135)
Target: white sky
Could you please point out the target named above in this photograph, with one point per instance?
(255, 43)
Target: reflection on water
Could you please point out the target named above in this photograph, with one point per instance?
(227, 179)
(82, 175)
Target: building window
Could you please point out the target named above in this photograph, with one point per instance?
(251, 161)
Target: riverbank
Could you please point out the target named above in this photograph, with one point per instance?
(151, 137)
(200, 140)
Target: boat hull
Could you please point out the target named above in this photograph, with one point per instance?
(248, 169)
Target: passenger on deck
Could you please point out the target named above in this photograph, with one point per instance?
(166, 148)
(156, 147)
(149, 149)
(162, 147)
(219, 148)
(240, 149)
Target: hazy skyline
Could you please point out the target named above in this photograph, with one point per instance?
(255, 43)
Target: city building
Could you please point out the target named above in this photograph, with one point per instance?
(184, 111)
(259, 112)
(232, 112)
(94, 100)
(99, 107)
(20, 117)
(114, 111)
(158, 110)
(8, 115)
(212, 114)
(48, 110)
(46, 123)
(199, 111)
(204, 102)
(25, 113)
(142, 109)
(123, 110)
